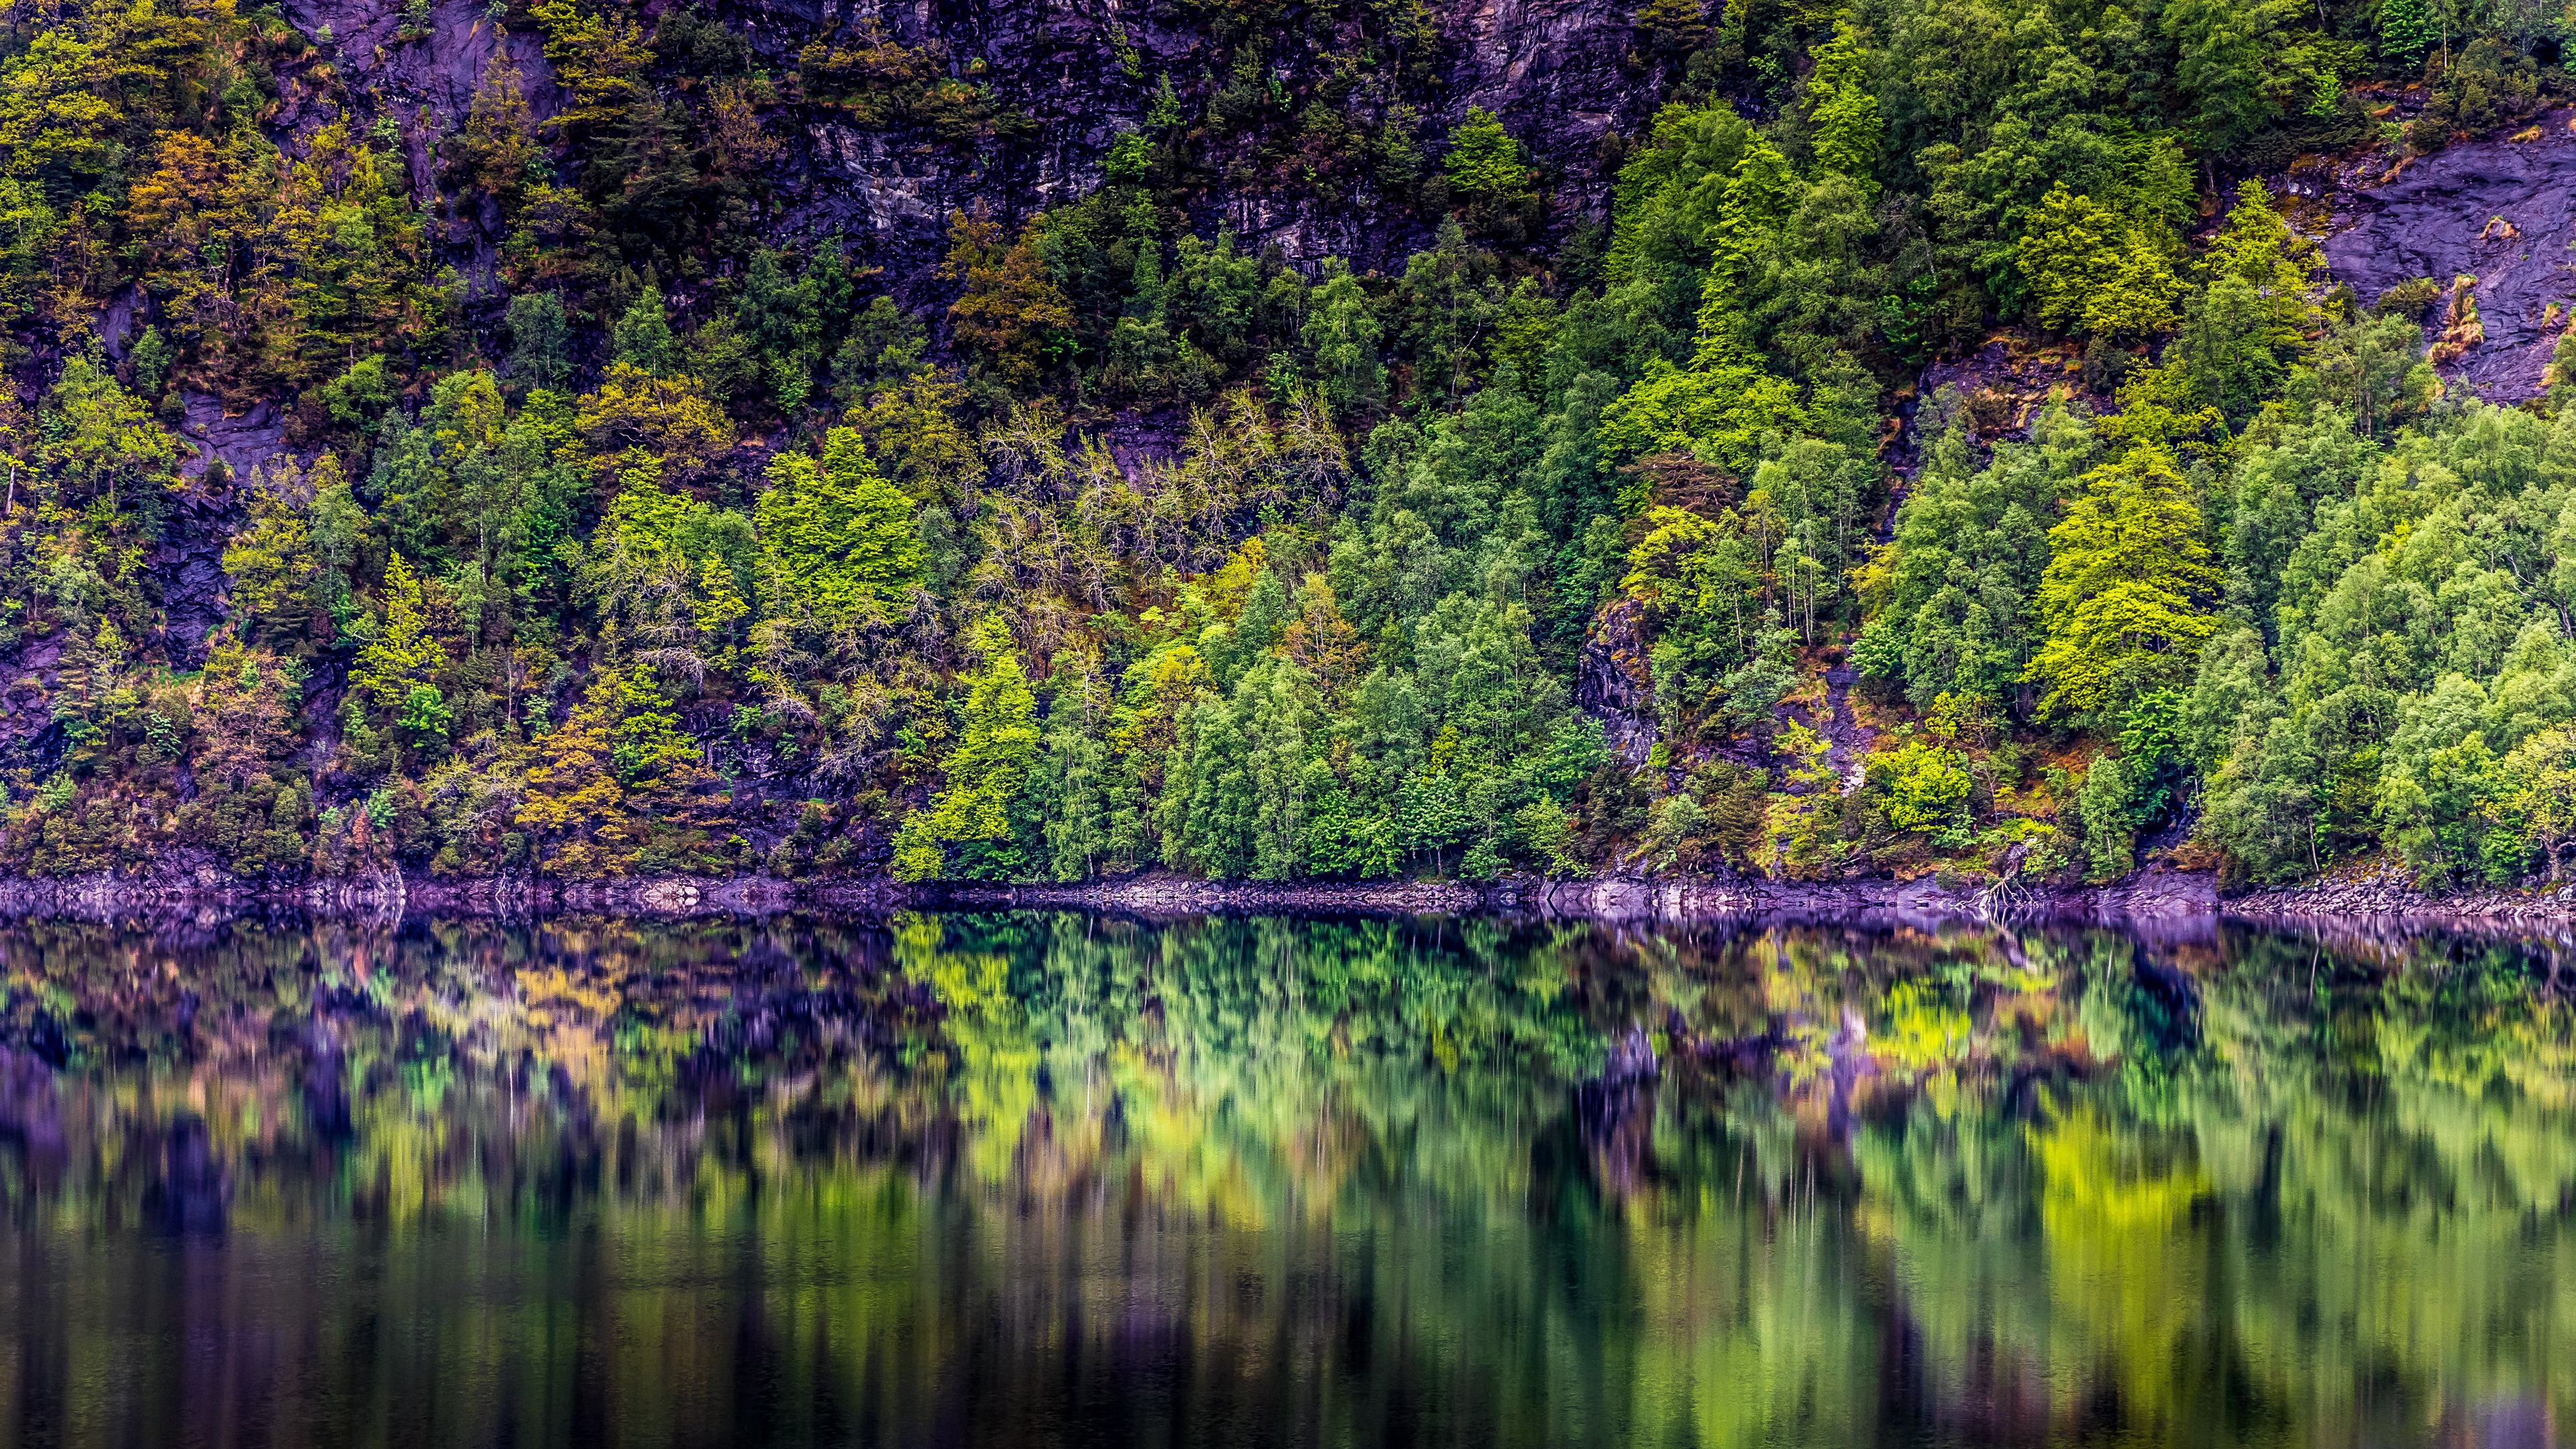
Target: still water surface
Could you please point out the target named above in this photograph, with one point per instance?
(1055, 1179)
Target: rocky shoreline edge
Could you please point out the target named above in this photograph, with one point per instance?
(2374, 898)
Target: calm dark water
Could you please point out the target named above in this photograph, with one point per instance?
(1041, 1179)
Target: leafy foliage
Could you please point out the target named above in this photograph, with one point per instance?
(621, 516)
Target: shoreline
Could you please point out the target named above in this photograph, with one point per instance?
(2373, 897)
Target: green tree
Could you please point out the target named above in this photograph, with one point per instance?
(2406, 30)
(970, 829)
(1726, 414)
(1234, 802)
(2089, 268)
(1487, 170)
(1845, 129)
(540, 341)
(1922, 787)
(837, 542)
(1341, 334)
(2124, 603)
(398, 671)
(2375, 367)
(2227, 64)
(101, 443)
(1076, 786)
(642, 338)
(2532, 803)
(275, 574)
(782, 319)
(2282, 267)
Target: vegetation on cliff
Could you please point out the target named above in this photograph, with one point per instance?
(616, 520)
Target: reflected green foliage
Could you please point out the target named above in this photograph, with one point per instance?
(1045, 1177)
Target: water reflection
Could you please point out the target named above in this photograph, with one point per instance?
(1038, 1179)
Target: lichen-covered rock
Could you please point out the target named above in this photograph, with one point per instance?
(2385, 890)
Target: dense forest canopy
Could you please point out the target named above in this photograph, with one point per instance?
(617, 515)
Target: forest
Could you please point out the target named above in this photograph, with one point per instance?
(622, 517)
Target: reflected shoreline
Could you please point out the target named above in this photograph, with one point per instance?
(2376, 908)
(1048, 1177)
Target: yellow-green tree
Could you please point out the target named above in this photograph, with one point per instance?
(2533, 805)
(837, 542)
(968, 830)
(398, 670)
(2258, 248)
(619, 789)
(274, 571)
(2090, 268)
(636, 419)
(575, 812)
(1487, 171)
(249, 807)
(2124, 601)
(1844, 115)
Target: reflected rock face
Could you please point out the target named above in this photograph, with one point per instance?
(1036, 1179)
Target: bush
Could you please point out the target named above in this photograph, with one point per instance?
(1922, 788)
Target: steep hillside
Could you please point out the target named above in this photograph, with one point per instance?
(1272, 439)
(1299, 116)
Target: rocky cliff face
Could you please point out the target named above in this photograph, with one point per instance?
(1615, 684)
(2501, 210)
(438, 74)
(1074, 74)
(1558, 73)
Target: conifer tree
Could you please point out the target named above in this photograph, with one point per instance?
(398, 670)
(968, 831)
(575, 812)
(643, 337)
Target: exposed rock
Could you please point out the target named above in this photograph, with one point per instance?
(1075, 75)
(188, 561)
(1613, 684)
(1999, 389)
(2500, 210)
(1555, 72)
(439, 71)
(240, 441)
(2385, 890)
(1848, 741)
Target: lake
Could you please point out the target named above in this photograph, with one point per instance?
(1041, 1179)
